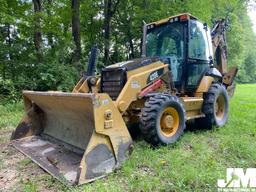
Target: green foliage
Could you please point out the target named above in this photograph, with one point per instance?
(8, 91)
(55, 76)
(10, 114)
(23, 67)
(250, 67)
(30, 187)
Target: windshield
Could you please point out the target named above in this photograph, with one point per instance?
(167, 41)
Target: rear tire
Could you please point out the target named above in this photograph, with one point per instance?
(163, 119)
(215, 107)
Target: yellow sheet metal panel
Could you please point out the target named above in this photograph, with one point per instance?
(204, 85)
(192, 103)
(163, 21)
(193, 106)
(118, 134)
(98, 159)
(136, 83)
(109, 144)
(144, 68)
(81, 86)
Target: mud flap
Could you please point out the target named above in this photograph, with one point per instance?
(76, 137)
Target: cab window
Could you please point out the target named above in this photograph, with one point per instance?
(199, 52)
(198, 42)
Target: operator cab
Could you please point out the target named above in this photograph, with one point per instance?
(184, 43)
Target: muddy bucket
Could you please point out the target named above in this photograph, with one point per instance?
(76, 137)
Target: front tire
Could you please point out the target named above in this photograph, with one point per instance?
(163, 119)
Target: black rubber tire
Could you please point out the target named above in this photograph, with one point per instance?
(134, 130)
(150, 119)
(210, 98)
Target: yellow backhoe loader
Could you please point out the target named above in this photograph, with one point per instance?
(182, 75)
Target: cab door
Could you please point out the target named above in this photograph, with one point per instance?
(199, 53)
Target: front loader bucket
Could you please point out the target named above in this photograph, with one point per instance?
(76, 137)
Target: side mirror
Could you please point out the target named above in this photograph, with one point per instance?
(211, 61)
(205, 27)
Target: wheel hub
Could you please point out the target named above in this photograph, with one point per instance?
(169, 122)
(220, 107)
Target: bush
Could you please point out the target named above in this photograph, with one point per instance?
(49, 75)
(8, 93)
(55, 76)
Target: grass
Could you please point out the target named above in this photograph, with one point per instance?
(194, 163)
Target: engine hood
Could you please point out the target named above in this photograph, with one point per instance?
(135, 63)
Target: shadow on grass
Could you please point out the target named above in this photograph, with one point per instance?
(191, 127)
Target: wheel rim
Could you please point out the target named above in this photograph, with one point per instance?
(169, 122)
(220, 107)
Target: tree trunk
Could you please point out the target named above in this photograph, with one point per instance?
(37, 30)
(76, 30)
(49, 14)
(110, 7)
(9, 42)
(107, 22)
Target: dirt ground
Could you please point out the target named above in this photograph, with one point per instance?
(19, 173)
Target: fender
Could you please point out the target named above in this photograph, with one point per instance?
(213, 72)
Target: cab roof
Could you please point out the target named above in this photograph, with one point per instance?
(163, 21)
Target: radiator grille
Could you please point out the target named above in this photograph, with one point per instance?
(113, 81)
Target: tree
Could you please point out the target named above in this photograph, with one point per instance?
(42, 42)
(37, 25)
(110, 7)
(76, 30)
